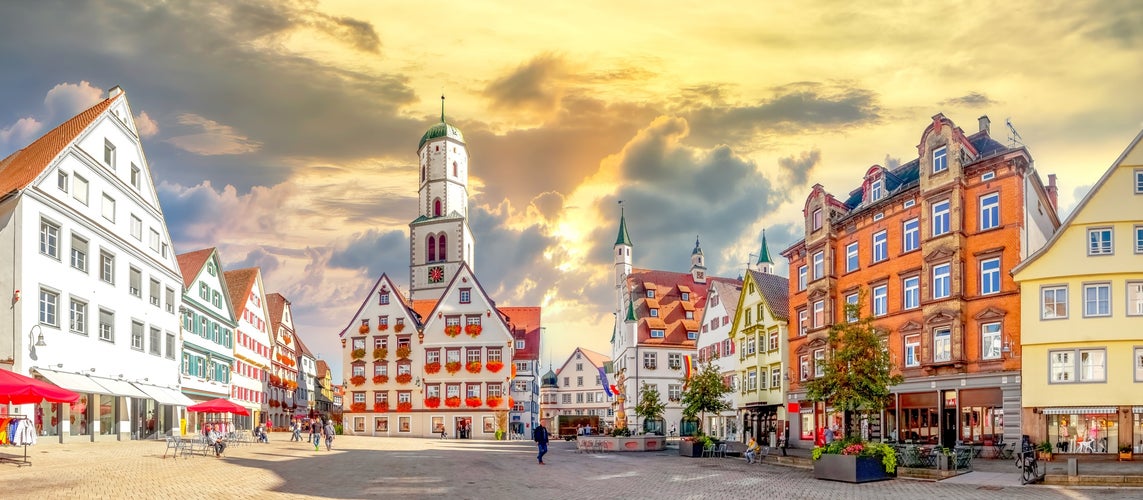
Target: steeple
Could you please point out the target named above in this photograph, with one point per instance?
(698, 264)
(442, 109)
(765, 264)
(623, 238)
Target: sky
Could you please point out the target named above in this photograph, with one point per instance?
(285, 132)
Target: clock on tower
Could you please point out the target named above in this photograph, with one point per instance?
(436, 274)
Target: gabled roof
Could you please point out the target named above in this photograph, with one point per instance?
(239, 282)
(776, 291)
(525, 325)
(22, 167)
(191, 263)
(668, 287)
(275, 305)
(423, 307)
(301, 348)
(463, 270)
(595, 358)
(322, 368)
(393, 291)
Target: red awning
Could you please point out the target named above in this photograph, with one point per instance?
(220, 405)
(18, 389)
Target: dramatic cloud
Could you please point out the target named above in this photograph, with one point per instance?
(19, 134)
(533, 85)
(376, 252)
(68, 99)
(214, 138)
(797, 169)
(970, 100)
(146, 126)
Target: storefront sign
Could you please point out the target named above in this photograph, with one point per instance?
(793, 407)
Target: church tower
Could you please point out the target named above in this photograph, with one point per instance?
(698, 264)
(765, 264)
(439, 238)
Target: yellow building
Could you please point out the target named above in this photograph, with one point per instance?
(1082, 317)
(759, 332)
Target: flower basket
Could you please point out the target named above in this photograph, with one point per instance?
(494, 402)
(452, 402)
(404, 352)
(357, 407)
(405, 407)
(380, 379)
(472, 402)
(380, 406)
(357, 379)
(452, 330)
(363, 329)
(432, 402)
(275, 380)
(495, 366)
(380, 353)
(452, 366)
(358, 353)
(274, 403)
(404, 378)
(399, 327)
(382, 327)
(473, 330)
(434, 367)
(473, 367)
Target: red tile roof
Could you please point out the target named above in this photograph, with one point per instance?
(668, 287)
(191, 263)
(22, 167)
(595, 358)
(239, 282)
(424, 307)
(524, 323)
(275, 304)
(322, 368)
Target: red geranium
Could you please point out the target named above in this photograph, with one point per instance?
(382, 327)
(357, 379)
(493, 402)
(473, 330)
(432, 402)
(399, 327)
(434, 367)
(405, 407)
(472, 402)
(495, 366)
(380, 406)
(357, 407)
(380, 379)
(452, 366)
(473, 367)
(452, 330)
(453, 402)
(404, 378)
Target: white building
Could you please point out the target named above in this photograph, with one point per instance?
(93, 285)
(208, 331)
(252, 344)
(715, 345)
(578, 389)
(304, 400)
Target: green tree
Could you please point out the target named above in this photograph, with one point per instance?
(705, 393)
(650, 405)
(858, 370)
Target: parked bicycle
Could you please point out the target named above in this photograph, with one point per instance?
(1030, 470)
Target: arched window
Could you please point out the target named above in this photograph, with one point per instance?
(432, 249)
(422, 173)
(441, 248)
(437, 207)
(454, 169)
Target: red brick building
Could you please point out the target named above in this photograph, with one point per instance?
(930, 245)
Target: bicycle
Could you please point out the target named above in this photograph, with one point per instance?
(1028, 464)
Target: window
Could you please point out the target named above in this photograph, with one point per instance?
(804, 367)
(880, 300)
(776, 378)
(851, 257)
(940, 281)
(773, 341)
(109, 208)
(1097, 300)
(49, 239)
(802, 278)
(109, 154)
(692, 335)
(136, 176)
(650, 294)
(579, 381)
(650, 360)
(1099, 241)
(912, 235)
(685, 297)
(136, 227)
(154, 240)
(465, 295)
(78, 253)
(748, 317)
(107, 267)
(567, 397)
(803, 317)
(987, 176)
(940, 160)
(61, 180)
(1054, 302)
(750, 349)
(819, 363)
(674, 392)
(49, 307)
(819, 314)
(851, 313)
(819, 265)
(79, 189)
(942, 345)
(1092, 365)
(1138, 239)
(1139, 364)
(136, 282)
(472, 355)
(877, 190)
(989, 276)
(657, 334)
(1135, 298)
(912, 350)
(383, 298)
(817, 219)
(990, 341)
(519, 344)
(1139, 182)
(911, 294)
(989, 211)
(908, 203)
(77, 317)
(170, 345)
(156, 289)
(654, 312)
(880, 246)
(940, 218)
(106, 325)
(137, 335)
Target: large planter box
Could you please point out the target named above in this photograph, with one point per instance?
(849, 469)
(690, 449)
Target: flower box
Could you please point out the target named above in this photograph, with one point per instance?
(404, 407)
(382, 327)
(404, 378)
(452, 402)
(452, 330)
(380, 353)
(472, 402)
(495, 366)
(399, 327)
(358, 353)
(494, 402)
(690, 448)
(380, 407)
(473, 367)
(357, 407)
(473, 330)
(357, 380)
(434, 367)
(452, 366)
(432, 402)
(380, 379)
(403, 352)
(849, 468)
(363, 328)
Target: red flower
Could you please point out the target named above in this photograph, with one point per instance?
(452, 330)
(380, 379)
(452, 366)
(357, 407)
(357, 379)
(473, 367)
(405, 407)
(382, 327)
(472, 402)
(434, 367)
(404, 378)
(453, 402)
(495, 366)
(399, 327)
(493, 402)
(363, 328)
(381, 406)
(473, 330)
(432, 402)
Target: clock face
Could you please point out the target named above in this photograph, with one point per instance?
(436, 274)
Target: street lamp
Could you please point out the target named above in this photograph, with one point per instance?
(38, 338)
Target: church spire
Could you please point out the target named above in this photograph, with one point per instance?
(442, 108)
(765, 263)
(623, 238)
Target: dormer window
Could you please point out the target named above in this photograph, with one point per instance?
(657, 334)
(877, 190)
(685, 296)
(817, 219)
(654, 313)
(690, 315)
(650, 294)
(940, 160)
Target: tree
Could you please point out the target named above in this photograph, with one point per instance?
(650, 405)
(705, 393)
(858, 370)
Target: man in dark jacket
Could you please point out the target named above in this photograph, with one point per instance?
(540, 436)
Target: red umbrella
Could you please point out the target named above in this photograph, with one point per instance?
(220, 405)
(17, 389)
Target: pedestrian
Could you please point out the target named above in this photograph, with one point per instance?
(328, 431)
(444, 435)
(540, 436)
(829, 434)
(751, 450)
(295, 433)
(315, 433)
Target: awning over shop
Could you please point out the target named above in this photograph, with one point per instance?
(121, 388)
(72, 381)
(1080, 410)
(164, 395)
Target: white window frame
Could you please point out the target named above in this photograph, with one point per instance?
(136, 176)
(880, 300)
(819, 363)
(1045, 307)
(817, 219)
(911, 292)
(989, 211)
(819, 265)
(911, 235)
(108, 208)
(1138, 362)
(61, 180)
(658, 333)
(79, 189)
(877, 190)
(77, 317)
(912, 350)
(851, 300)
(1097, 245)
(940, 159)
(1098, 311)
(851, 261)
(1138, 230)
(136, 227)
(1139, 181)
(80, 247)
(880, 246)
(990, 276)
(107, 267)
(802, 270)
(819, 313)
(49, 307)
(991, 340)
(941, 218)
(942, 345)
(803, 321)
(804, 367)
(49, 239)
(987, 176)
(109, 154)
(1134, 289)
(942, 281)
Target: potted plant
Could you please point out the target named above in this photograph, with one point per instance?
(399, 327)
(381, 406)
(692, 446)
(473, 367)
(452, 366)
(453, 402)
(472, 402)
(432, 402)
(357, 379)
(364, 328)
(473, 330)
(1044, 451)
(357, 407)
(452, 330)
(854, 461)
(382, 327)
(434, 367)
(380, 353)
(1125, 454)
(358, 353)
(380, 379)
(404, 351)
(404, 378)
(495, 366)
(493, 402)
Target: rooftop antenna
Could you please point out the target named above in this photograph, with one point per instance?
(1013, 136)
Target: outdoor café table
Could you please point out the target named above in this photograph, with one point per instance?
(927, 456)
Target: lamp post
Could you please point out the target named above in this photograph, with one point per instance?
(35, 339)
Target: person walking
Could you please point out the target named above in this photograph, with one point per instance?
(540, 436)
(295, 431)
(315, 433)
(328, 430)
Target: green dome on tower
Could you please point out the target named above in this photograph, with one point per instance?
(442, 129)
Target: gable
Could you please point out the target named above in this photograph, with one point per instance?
(478, 307)
(373, 316)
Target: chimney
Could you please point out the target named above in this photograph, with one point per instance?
(984, 124)
(116, 90)
(1053, 191)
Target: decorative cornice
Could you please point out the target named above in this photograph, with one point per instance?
(991, 313)
(941, 253)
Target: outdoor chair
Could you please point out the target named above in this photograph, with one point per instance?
(174, 445)
(720, 451)
(708, 451)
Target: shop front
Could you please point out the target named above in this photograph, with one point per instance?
(762, 422)
(1086, 430)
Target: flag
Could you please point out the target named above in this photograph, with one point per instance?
(603, 380)
(686, 370)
